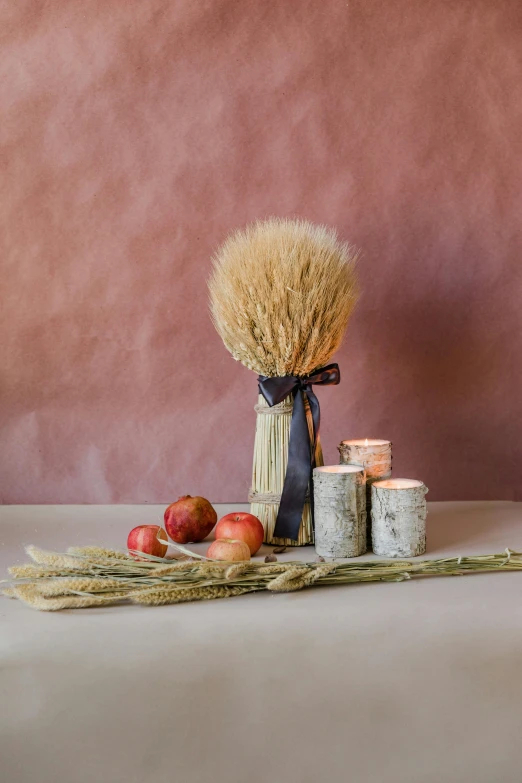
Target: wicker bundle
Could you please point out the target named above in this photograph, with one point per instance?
(281, 294)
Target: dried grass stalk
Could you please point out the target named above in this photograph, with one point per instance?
(31, 595)
(178, 595)
(144, 583)
(281, 294)
(51, 588)
(97, 551)
(44, 558)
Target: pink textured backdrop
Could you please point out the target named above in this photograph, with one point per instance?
(134, 136)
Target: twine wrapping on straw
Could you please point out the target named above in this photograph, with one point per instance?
(276, 410)
(269, 497)
(264, 497)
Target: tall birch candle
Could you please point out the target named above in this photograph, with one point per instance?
(399, 517)
(340, 510)
(375, 456)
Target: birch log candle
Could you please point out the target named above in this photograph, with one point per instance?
(375, 456)
(399, 517)
(340, 510)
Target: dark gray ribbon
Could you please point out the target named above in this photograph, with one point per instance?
(301, 449)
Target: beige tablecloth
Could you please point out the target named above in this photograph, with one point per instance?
(417, 682)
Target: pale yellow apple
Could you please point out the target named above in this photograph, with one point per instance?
(228, 549)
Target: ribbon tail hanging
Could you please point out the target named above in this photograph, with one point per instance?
(297, 476)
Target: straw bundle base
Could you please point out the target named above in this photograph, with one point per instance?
(269, 469)
(267, 513)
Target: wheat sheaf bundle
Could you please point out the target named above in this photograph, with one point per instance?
(281, 294)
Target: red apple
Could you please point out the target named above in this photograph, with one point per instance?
(189, 519)
(144, 538)
(229, 550)
(242, 526)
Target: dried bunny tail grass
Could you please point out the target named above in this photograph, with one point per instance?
(297, 578)
(233, 571)
(98, 552)
(52, 559)
(274, 568)
(24, 593)
(211, 569)
(281, 294)
(34, 571)
(165, 570)
(175, 595)
(31, 595)
(64, 586)
(289, 580)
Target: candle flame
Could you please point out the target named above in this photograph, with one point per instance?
(366, 442)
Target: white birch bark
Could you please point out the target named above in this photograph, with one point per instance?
(375, 456)
(340, 510)
(399, 518)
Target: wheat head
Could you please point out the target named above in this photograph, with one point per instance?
(281, 294)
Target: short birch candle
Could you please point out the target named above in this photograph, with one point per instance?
(340, 510)
(399, 517)
(375, 456)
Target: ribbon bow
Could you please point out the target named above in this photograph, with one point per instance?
(301, 448)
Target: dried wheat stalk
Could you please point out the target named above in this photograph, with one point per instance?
(112, 577)
(281, 294)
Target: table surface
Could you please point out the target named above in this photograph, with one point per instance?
(413, 682)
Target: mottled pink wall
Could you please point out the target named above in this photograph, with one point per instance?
(134, 136)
